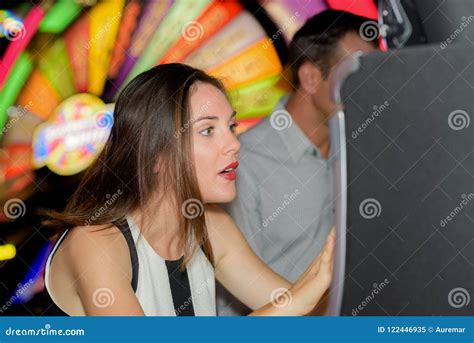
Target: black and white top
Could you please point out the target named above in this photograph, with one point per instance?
(161, 288)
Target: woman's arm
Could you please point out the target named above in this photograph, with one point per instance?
(237, 267)
(251, 281)
(100, 270)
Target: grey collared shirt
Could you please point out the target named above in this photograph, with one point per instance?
(284, 198)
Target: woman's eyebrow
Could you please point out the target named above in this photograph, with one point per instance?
(206, 117)
(233, 114)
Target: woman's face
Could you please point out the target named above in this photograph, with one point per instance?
(215, 143)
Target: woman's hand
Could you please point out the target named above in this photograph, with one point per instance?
(301, 298)
(311, 286)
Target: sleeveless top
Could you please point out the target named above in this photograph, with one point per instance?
(161, 288)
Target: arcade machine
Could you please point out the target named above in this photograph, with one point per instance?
(402, 149)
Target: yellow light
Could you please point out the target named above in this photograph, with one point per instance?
(7, 252)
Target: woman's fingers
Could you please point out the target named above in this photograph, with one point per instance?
(333, 232)
(326, 253)
(311, 286)
(314, 282)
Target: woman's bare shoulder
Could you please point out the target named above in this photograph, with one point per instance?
(89, 249)
(83, 242)
(222, 230)
(92, 259)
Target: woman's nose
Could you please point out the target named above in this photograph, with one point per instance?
(232, 144)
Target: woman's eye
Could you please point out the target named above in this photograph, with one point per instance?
(208, 131)
(233, 127)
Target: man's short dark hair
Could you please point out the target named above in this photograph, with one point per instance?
(317, 40)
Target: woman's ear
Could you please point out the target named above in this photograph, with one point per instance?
(310, 77)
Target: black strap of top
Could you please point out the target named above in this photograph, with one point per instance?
(180, 288)
(125, 229)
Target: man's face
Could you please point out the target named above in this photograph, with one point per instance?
(348, 45)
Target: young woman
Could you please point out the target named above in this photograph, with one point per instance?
(145, 236)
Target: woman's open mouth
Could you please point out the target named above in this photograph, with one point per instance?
(229, 172)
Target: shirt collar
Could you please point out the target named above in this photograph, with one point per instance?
(290, 133)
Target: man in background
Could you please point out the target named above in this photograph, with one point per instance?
(284, 185)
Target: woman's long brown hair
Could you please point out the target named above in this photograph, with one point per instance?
(151, 123)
